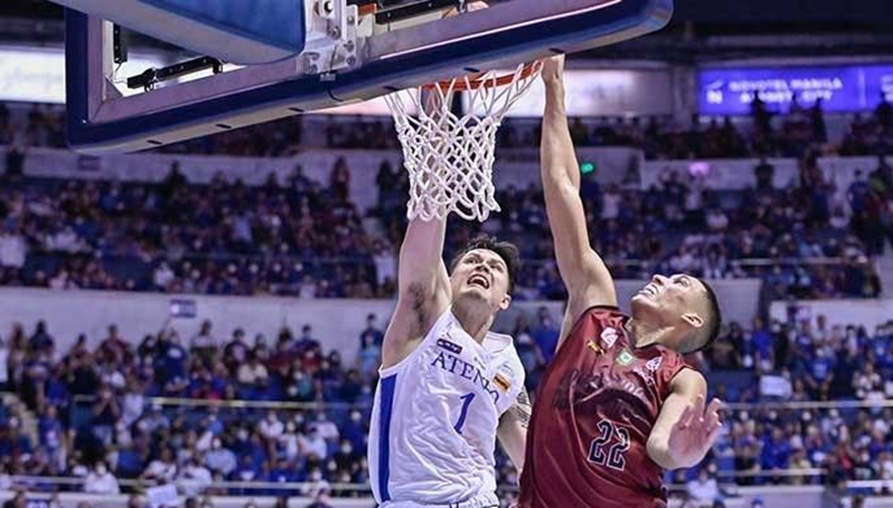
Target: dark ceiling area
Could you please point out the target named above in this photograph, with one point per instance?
(30, 9)
(848, 27)
(827, 14)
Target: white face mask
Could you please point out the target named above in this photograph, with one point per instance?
(100, 470)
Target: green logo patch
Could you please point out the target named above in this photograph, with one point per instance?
(625, 358)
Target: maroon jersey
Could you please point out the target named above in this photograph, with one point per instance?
(595, 408)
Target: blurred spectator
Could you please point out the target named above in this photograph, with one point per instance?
(764, 173)
(321, 500)
(546, 334)
(13, 249)
(18, 501)
(204, 345)
(163, 469)
(15, 161)
(372, 334)
(703, 490)
(194, 478)
(884, 112)
(220, 459)
(101, 481)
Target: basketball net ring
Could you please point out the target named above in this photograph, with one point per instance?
(450, 157)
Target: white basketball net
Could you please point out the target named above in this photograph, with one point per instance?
(450, 158)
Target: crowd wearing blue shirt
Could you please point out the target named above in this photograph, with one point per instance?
(100, 405)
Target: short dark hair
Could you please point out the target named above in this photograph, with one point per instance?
(505, 250)
(713, 318)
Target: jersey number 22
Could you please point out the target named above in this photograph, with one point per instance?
(603, 452)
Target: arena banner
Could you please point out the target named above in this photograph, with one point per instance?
(842, 88)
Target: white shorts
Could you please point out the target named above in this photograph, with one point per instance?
(480, 501)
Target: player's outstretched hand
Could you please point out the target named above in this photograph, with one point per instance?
(553, 70)
(693, 435)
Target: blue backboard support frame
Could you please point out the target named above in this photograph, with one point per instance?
(93, 129)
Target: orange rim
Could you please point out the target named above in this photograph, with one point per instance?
(367, 9)
(463, 84)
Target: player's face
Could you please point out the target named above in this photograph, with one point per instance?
(671, 301)
(482, 275)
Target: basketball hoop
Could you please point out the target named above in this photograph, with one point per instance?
(450, 157)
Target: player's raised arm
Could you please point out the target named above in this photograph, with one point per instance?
(585, 276)
(685, 430)
(423, 289)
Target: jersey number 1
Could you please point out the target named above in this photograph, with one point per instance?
(613, 456)
(466, 401)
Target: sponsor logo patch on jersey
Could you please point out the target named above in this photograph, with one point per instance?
(625, 358)
(506, 369)
(654, 364)
(609, 337)
(502, 382)
(452, 347)
(595, 347)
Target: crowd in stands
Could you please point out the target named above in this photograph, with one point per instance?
(682, 226)
(99, 417)
(802, 360)
(295, 239)
(304, 238)
(43, 126)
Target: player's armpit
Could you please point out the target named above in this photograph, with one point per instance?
(423, 289)
(685, 430)
(512, 430)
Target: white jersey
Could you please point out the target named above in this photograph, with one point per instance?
(433, 432)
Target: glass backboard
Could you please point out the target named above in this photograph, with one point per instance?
(349, 51)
